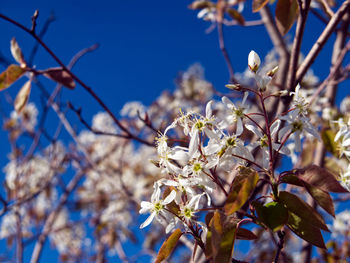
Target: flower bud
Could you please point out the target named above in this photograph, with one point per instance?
(236, 87)
(253, 61)
(272, 72)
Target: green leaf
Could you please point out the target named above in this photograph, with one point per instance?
(320, 178)
(223, 233)
(304, 229)
(274, 215)
(10, 75)
(297, 206)
(235, 15)
(242, 187)
(168, 246)
(286, 13)
(22, 96)
(60, 76)
(258, 4)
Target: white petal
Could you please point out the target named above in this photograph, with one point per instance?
(254, 129)
(170, 197)
(179, 155)
(148, 220)
(229, 104)
(145, 207)
(194, 142)
(297, 141)
(208, 110)
(239, 128)
(274, 127)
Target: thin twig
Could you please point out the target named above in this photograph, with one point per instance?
(86, 87)
(224, 52)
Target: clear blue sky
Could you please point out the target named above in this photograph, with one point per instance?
(143, 45)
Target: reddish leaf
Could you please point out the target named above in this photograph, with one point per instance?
(235, 15)
(242, 187)
(168, 246)
(286, 13)
(60, 76)
(258, 4)
(274, 215)
(291, 179)
(320, 178)
(322, 198)
(10, 75)
(297, 206)
(22, 96)
(245, 234)
(223, 232)
(304, 229)
(17, 53)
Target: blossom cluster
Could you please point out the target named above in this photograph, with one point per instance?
(200, 163)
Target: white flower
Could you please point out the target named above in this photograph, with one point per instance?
(263, 142)
(296, 125)
(237, 113)
(201, 125)
(262, 81)
(188, 211)
(253, 61)
(299, 101)
(156, 206)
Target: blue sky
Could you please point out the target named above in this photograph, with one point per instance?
(143, 46)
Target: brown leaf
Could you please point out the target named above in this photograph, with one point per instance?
(17, 53)
(242, 187)
(197, 5)
(235, 15)
(10, 75)
(60, 76)
(223, 233)
(168, 246)
(22, 96)
(320, 178)
(258, 4)
(286, 13)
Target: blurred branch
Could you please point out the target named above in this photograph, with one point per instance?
(321, 41)
(224, 52)
(52, 97)
(19, 241)
(294, 58)
(87, 88)
(331, 90)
